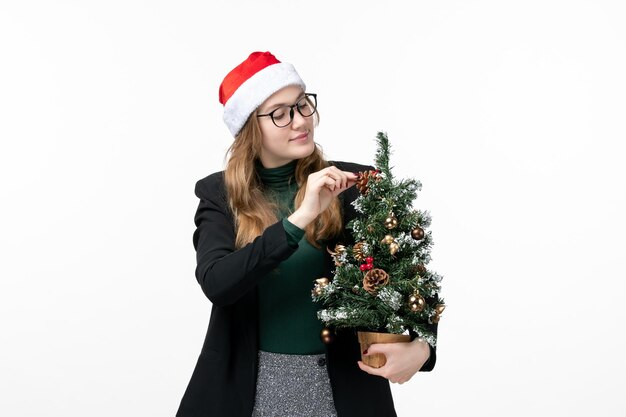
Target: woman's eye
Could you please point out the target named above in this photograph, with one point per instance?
(279, 114)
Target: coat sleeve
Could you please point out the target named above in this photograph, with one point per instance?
(225, 273)
(429, 365)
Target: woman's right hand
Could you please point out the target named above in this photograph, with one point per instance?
(321, 187)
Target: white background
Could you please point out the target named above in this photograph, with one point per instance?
(510, 113)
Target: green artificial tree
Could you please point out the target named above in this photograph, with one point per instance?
(381, 282)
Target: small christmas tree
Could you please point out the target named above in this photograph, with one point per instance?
(381, 282)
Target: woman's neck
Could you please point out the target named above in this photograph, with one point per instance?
(277, 178)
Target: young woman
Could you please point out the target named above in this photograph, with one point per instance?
(263, 225)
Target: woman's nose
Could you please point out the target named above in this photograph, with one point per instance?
(298, 120)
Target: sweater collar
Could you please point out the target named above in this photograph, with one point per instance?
(277, 178)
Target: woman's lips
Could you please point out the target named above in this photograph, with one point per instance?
(303, 136)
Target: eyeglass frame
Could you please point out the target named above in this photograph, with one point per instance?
(291, 110)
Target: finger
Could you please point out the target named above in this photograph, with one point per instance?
(328, 183)
(343, 177)
(369, 369)
(351, 178)
(348, 178)
(384, 348)
(331, 183)
(336, 173)
(321, 178)
(337, 182)
(320, 181)
(342, 180)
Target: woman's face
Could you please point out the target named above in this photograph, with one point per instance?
(282, 145)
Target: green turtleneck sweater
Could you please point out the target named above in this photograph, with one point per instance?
(288, 320)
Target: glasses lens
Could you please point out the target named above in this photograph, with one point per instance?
(306, 106)
(281, 116)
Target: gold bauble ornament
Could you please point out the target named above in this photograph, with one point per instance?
(322, 282)
(394, 248)
(438, 310)
(387, 240)
(327, 336)
(417, 302)
(391, 222)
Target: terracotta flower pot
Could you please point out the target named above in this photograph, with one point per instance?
(369, 338)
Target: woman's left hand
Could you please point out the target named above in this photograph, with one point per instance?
(403, 360)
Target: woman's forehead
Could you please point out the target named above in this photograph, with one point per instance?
(286, 96)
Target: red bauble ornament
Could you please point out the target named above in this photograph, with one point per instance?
(369, 260)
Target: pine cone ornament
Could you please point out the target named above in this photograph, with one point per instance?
(374, 279)
(358, 251)
(418, 269)
(337, 254)
(363, 179)
(320, 284)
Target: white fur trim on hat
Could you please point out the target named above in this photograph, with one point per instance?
(255, 90)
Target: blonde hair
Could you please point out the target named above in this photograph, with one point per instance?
(253, 212)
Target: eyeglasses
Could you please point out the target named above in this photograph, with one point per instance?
(283, 115)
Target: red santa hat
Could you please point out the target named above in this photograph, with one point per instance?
(248, 85)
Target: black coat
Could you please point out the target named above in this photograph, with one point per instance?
(224, 380)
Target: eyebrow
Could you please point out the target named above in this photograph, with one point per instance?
(277, 105)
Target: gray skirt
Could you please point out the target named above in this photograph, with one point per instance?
(293, 386)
